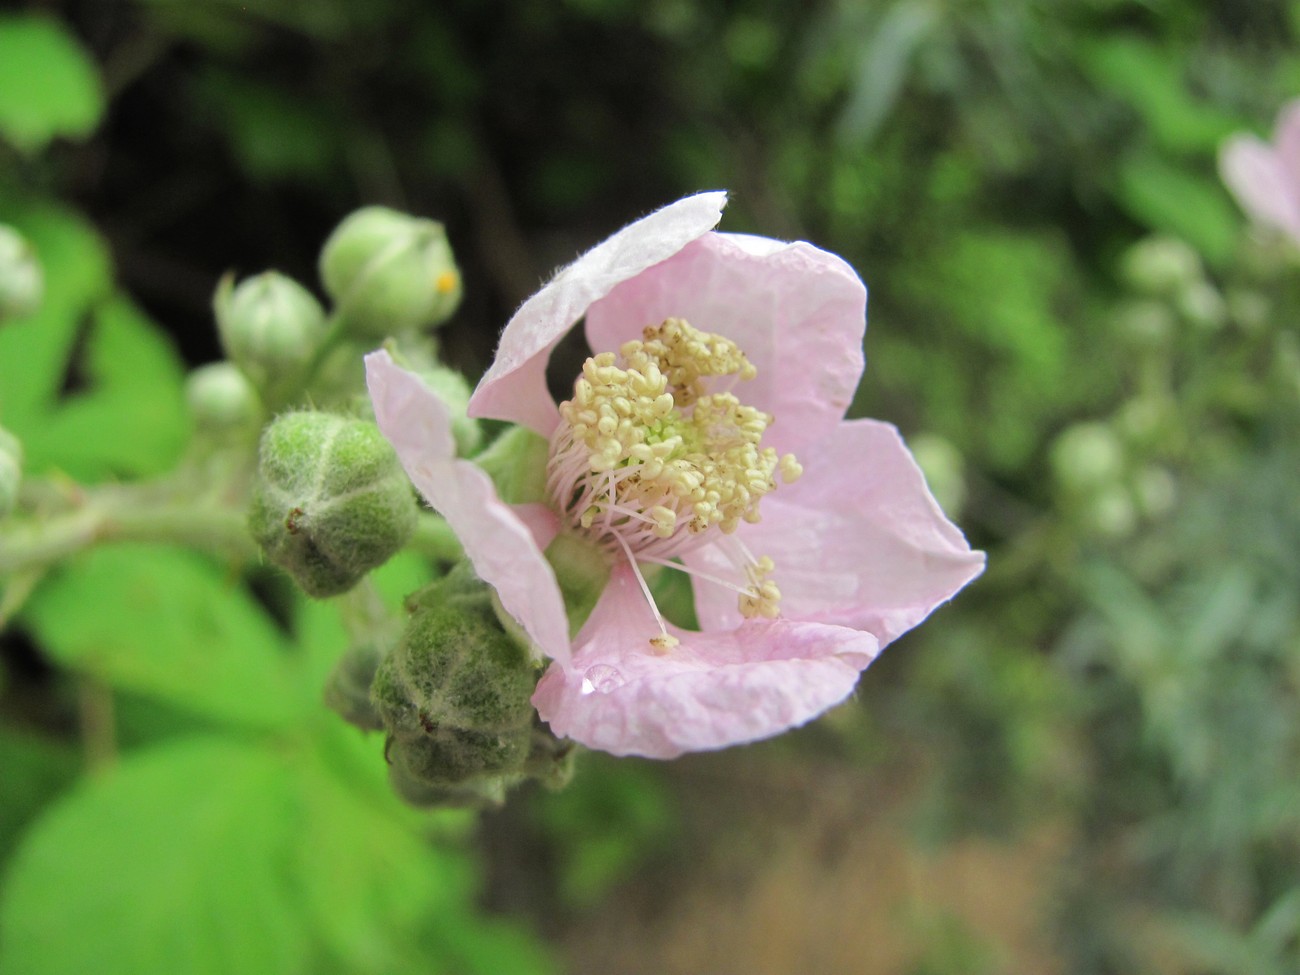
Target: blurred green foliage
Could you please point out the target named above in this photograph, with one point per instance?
(1126, 446)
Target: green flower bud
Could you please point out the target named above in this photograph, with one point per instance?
(22, 284)
(484, 793)
(347, 692)
(944, 470)
(1161, 265)
(1201, 305)
(221, 399)
(270, 326)
(1156, 491)
(1146, 323)
(389, 272)
(454, 390)
(1111, 512)
(550, 759)
(516, 462)
(331, 501)
(1250, 310)
(454, 694)
(11, 470)
(1087, 456)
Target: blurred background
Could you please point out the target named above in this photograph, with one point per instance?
(1088, 763)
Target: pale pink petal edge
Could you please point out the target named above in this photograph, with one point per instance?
(797, 311)
(514, 388)
(858, 541)
(712, 691)
(1253, 171)
(501, 547)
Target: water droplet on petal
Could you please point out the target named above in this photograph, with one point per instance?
(603, 678)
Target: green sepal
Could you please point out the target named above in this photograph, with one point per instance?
(516, 462)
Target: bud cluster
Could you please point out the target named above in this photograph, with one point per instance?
(453, 699)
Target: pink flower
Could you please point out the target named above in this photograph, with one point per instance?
(836, 564)
(1265, 178)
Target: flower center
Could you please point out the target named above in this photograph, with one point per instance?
(651, 459)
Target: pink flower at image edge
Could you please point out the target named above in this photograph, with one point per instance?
(862, 551)
(1264, 177)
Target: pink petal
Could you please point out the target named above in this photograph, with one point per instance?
(501, 547)
(515, 387)
(857, 541)
(1254, 173)
(711, 691)
(1287, 137)
(798, 313)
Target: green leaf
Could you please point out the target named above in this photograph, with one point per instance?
(168, 623)
(1174, 199)
(173, 862)
(369, 881)
(1152, 78)
(34, 352)
(275, 135)
(32, 771)
(132, 419)
(49, 86)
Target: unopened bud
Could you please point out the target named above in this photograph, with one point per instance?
(11, 470)
(1202, 306)
(331, 501)
(1146, 323)
(454, 390)
(1111, 512)
(1156, 491)
(22, 284)
(221, 399)
(454, 693)
(1088, 456)
(347, 692)
(944, 470)
(1161, 265)
(388, 272)
(270, 327)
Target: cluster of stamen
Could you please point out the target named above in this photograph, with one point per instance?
(650, 457)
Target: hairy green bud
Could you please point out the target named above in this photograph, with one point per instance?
(22, 283)
(388, 272)
(221, 399)
(270, 326)
(454, 693)
(331, 501)
(347, 692)
(11, 470)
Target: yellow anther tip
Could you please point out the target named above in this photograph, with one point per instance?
(446, 282)
(663, 642)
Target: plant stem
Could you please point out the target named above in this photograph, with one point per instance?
(122, 515)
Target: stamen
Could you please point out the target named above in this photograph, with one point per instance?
(690, 571)
(654, 453)
(664, 641)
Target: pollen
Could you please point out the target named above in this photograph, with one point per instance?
(446, 282)
(654, 452)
